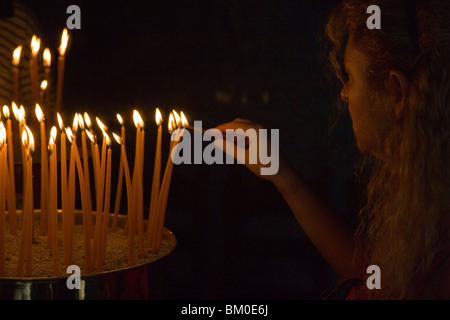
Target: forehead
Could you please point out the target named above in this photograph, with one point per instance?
(353, 56)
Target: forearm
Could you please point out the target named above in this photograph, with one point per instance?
(326, 229)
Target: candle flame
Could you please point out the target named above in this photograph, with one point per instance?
(118, 139)
(53, 133)
(6, 111)
(119, 117)
(24, 138)
(177, 118)
(90, 135)
(69, 134)
(35, 45)
(29, 139)
(44, 85)
(39, 114)
(158, 117)
(87, 121)
(60, 121)
(2, 134)
(47, 58)
(101, 125)
(80, 121)
(138, 122)
(16, 111)
(22, 114)
(184, 121)
(64, 41)
(108, 140)
(16, 56)
(75, 123)
(171, 124)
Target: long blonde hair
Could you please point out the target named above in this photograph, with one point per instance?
(405, 224)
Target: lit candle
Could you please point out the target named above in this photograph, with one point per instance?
(25, 253)
(64, 196)
(156, 177)
(12, 183)
(137, 180)
(16, 74)
(88, 124)
(87, 245)
(35, 46)
(95, 157)
(75, 159)
(22, 123)
(86, 172)
(44, 171)
(129, 200)
(158, 217)
(53, 203)
(106, 206)
(176, 135)
(70, 197)
(47, 64)
(119, 179)
(43, 88)
(100, 194)
(101, 173)
(3, 173)
(61, 66)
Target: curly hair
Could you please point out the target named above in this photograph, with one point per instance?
(405, 222)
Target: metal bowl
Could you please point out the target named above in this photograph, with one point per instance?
(139, 282)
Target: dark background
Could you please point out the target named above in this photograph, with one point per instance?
(218, 60)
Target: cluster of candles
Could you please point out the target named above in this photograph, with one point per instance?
(96, 224)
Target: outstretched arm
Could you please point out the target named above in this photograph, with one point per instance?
(326, 229)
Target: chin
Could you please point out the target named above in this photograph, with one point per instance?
(368, 149)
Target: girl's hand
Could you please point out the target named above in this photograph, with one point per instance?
(255, 147)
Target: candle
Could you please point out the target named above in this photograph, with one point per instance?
(158, 218)
(16, 74)
(35, 45)
(64, 196)
(100, 193)
(95, 157)
(129, 200)
(44, 171)
(61, 67)
(82, 183)
(12, 183)
(70, 198)
(53, 203)
(156, 177)
(22, 122)
(164, 191)
(134, 183)
(47, 64)
(137, 180)
(86, 172)
(43, 88)
(120, 178)
(101, 172)
(27, 225)
(106, 206)
(3, 173)
(89, 132)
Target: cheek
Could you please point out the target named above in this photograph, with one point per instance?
(365, 123)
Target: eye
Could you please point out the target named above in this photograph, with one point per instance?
(346, 76)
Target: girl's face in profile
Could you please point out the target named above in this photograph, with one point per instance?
(369, 111)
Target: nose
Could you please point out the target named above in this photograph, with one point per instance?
(344, 93)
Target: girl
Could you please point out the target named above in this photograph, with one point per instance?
(396, 83)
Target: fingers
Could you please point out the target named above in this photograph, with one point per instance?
(239, 123)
